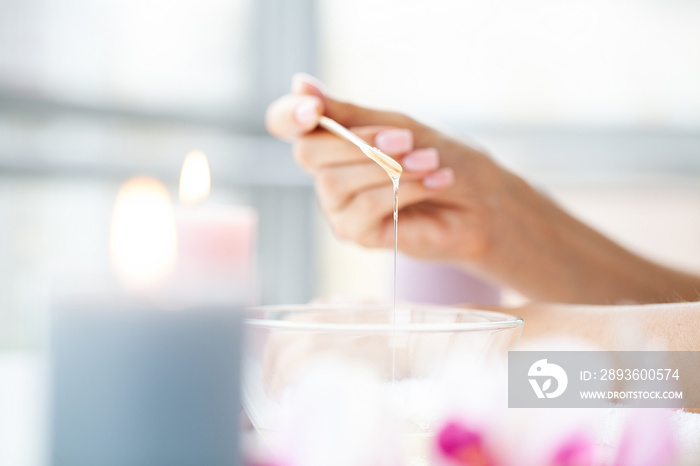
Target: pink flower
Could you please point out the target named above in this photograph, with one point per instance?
(647, 440)
(265, 463)
(575, 450)
(462, 445)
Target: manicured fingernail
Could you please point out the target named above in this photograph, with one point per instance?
(421, 160)
(440, 179)
(306, 112)
(394, 141)
(301, 79)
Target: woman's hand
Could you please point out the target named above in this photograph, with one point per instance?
(448, 194)
(457, 205)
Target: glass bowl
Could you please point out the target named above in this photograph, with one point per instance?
(406, 350)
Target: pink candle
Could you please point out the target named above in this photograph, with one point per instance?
(216, 243)
(216, 252)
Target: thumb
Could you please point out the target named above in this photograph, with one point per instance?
(347, 114)
(296, 114)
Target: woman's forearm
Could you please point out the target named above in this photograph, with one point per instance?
(660, 327)
(542, 251)
(667, 327)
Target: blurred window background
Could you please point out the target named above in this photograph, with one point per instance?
(597, 64)
(596, 101)
(93, 92)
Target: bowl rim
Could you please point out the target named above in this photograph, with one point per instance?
(505, 321)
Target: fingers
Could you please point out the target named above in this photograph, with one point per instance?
(353, 115)
(366, 218)
(343, 172)
(293, 115)
(297, 113)
(343, 112)
(354, 192)
(337, 185)
(321, 149)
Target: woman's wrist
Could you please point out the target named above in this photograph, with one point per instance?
(545, 253)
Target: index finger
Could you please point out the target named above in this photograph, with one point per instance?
(293, 115)
(323, 149)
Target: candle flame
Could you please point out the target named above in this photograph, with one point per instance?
(143, 243)
(195, 178)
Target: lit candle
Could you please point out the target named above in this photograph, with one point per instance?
(216, 243)
(143, 244)
(137, 381)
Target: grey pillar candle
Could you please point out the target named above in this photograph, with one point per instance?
(135, 385)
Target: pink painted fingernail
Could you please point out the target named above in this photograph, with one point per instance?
(301, 79)
(421, 160)
(306, 112)
(440, 179)
(394, 141)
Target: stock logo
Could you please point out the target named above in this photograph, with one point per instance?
(546, 372)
